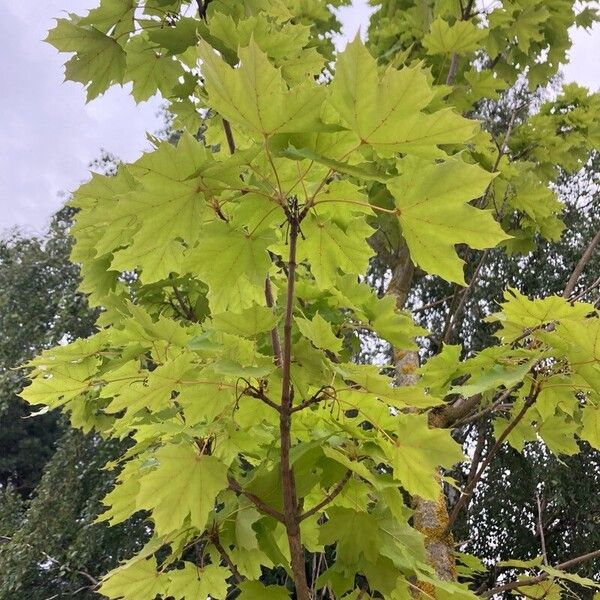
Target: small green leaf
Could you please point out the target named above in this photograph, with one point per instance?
(234, 265)
(149, 70)
(319, 332)
(460, 37)
(193, 582)
(247, 323)
(140, 580)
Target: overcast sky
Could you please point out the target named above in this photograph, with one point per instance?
(49, 135)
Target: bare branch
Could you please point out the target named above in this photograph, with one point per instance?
(468, 491)
(431, 305)
(583, 261)
(586, 291)
(541, 528)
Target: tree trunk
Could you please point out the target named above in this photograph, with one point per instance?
(430, 516)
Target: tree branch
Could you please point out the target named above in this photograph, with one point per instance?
(226, 558)
(275, 341)
(321, 394)
(543, 576)
(334, 492)
(468, 491)
(463, 298)
(288, 482)
(260, 395)
(228, 135)
(541, 528)
(586, 291)
(260, 504)
(585, 258)
(465, 418)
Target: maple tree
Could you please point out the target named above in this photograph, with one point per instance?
(230, 269)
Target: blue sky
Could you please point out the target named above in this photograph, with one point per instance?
(49, 135)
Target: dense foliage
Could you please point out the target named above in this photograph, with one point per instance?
(51, 478)
(230, 272)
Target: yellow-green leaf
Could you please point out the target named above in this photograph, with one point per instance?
(184, 485)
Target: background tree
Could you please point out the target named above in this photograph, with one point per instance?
(52, 478)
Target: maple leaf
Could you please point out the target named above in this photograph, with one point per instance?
(387, 111)
(115, 17)
(247, 323)
(591, 426)
(184, 484)
(255, 95)
(328, 247)
(149, 70)
(135, 581)
(356, 534)
(432, 202)
(179, 182)
(520, 314)
(155, 393)
(234, 265)
(99, 60)
(418, 452)
(459, 38)
(255, 590)
(319, 332)
(193, 582)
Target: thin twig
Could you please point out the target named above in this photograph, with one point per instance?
(260, 504)
(334, 492)
(586, 291)
(321, 394)
(431, 304)
(585, 258)
(499, 401)
(275, 341)
(541, 528)
(463, 298)
(468, 491)
(226, 558)
(476, 456)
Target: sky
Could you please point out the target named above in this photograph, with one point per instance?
(49, 135)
